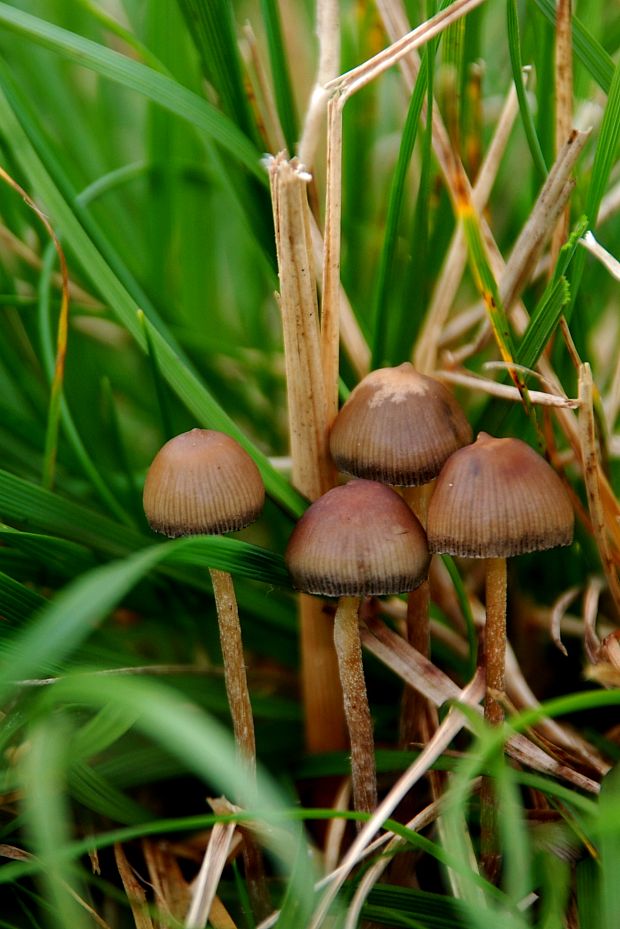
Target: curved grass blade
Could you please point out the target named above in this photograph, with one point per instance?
(283, 91)
(514, 45)
(138, 77)
(380, 304)
(47, 353)
(61, 627)
(17, 602)
(212, 30)
(61, 555)
(181, 378)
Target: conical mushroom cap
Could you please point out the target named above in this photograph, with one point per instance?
(202, 481)
(358, 539)
(398, 427)
(498, 498)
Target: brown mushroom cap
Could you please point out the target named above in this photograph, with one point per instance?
(202, 481)
(498, 498)
(355, 540)
(398, 426)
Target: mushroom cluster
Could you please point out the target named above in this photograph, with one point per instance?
(491, 499)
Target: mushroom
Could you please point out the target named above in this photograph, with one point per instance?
(399, 427)
(494, 499)
(202, 481)
(357, 540)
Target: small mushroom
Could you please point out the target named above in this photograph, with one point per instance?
(494, 499)
(203, 481)
(399, 427)
(357, 540)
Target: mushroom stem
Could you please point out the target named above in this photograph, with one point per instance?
(357, 711)
(234, 667)
(243, 724)
(495, 661)
(418, 627)
(495, 638)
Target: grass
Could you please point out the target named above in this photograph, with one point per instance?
(139, 131)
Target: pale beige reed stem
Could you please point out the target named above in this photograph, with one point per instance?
(311, 468)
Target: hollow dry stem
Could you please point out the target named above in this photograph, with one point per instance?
(357, 711)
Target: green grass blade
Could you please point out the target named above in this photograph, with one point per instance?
(381, 303)
(17, 602)
(138, 77)
(212, 29)
(280, 73)
(542, 323)
(44, 770)
(68, 424)
(606, 152)
(514, 45)
(180, 377)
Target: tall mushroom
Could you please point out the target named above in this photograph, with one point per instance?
(399, 427)
(494, 499)
(357, 540)
(203, 481)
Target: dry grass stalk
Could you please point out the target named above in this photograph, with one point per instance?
(591, 475)
(330, 305)
(426, 348)
(340, 90)
(423, 819)
(133, 889)
(349, 83)
(451, 725)
(207, 881)
(352, 338)
(505, 391)
(298, 304)
(265, 105)
(418, 672)
(311, 466)
(550, 203)
(169, 885)
(608, 260)
(563, 106)
(328, 35)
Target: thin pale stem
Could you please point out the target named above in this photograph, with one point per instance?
(243, 722)
(357, 711)
(330, 308)
(495, 663)
(495, 638)
(234, 667)
(312, 471)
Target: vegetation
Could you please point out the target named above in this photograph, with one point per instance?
(139, 270)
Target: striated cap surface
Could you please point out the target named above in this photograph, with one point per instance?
(356, 540)
(398, 426)
(498, 498)
(202, 481)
